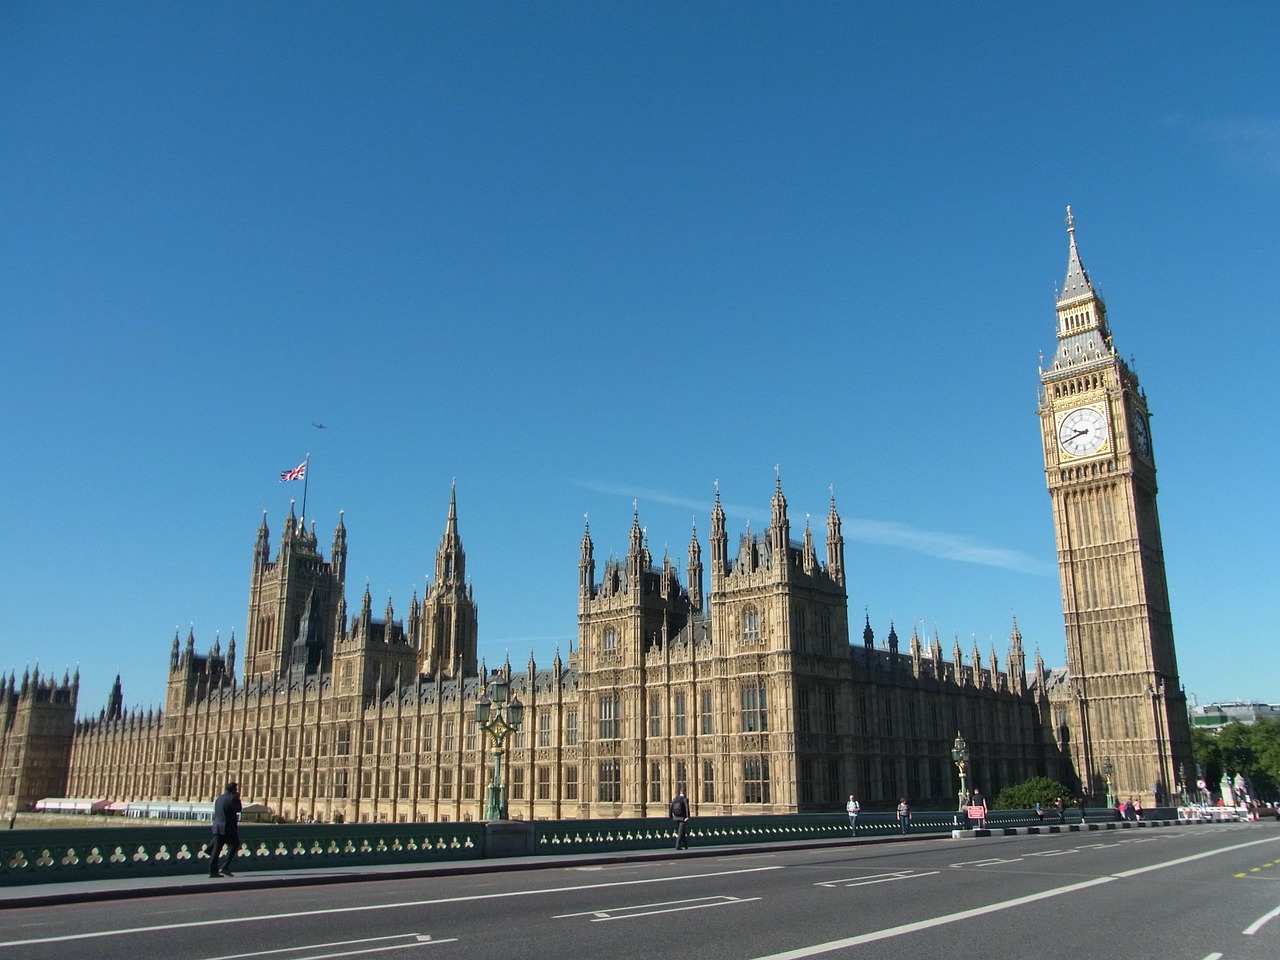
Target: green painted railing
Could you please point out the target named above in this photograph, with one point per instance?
(85, 853)
(91, 853)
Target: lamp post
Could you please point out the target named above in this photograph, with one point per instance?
(1108, 769)
(498, 716)
(960, 757)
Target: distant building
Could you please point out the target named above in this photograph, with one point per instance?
(1211, 716)
(742, 683)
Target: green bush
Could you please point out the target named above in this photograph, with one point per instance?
(1023, 796)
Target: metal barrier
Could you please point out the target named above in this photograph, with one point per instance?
(89, 853)
(41, 856)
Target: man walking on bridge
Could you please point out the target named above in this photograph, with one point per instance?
(680, 814)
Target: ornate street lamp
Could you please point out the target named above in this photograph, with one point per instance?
(1108, 770)
(960, 757)
(498, 716)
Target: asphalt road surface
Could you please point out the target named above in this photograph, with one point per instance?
(1189, 893)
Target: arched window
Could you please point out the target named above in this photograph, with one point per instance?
(751, 624)
(610, 641)
(755, 707)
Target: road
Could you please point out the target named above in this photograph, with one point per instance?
(1188, 893)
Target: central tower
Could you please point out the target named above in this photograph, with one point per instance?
(1126, 715)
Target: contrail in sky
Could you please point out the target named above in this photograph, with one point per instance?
(891, 533)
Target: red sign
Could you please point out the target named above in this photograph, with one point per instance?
(977, 813)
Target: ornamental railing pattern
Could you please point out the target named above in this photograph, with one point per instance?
(86, 853)
(108, 851)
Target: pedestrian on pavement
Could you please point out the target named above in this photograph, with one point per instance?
(1062, 810)
(904, 814)
(978, 805)
(852, 808)
(1137, 810)
(1039, 811)
(680, 814)
(226, 830)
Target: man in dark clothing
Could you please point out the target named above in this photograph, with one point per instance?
(226, 830)
(680, 814)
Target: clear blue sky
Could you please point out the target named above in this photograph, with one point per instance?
(576, 254)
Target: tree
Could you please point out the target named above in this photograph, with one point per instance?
(1023, 796)
(1208, 758)
(1253, 751)
(1264, 736)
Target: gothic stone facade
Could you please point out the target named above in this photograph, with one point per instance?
(754, 701)
(750, 694)
(1123, 709)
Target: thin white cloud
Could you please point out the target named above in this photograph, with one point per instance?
(945, 546)
(931, 543)
(1251, 143)
(644, 495)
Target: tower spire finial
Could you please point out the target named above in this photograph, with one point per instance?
(1071, 223)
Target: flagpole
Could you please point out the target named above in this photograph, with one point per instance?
(305, 478)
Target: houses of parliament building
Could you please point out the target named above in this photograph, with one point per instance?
(743, 681)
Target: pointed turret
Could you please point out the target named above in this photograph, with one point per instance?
(1083, 336)
(719, 544)
(366, 612)
(779, 529)
(338, 556)
(451, 561)
(290, 526)
(636, 551)
(115, 700)
(1017, 662)
(693, 572)
(262, 548)
(893, 638)
(868, 635)
(587, 564)
(835, 544)
(450, 630)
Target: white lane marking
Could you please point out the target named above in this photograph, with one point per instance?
(1254, 927)
(217, 921)
(889, 932)
(1214, 956)
(898, 931)
(877, 878)
(650, 909)
(989, 862)
(1125, 874)
(419, 939)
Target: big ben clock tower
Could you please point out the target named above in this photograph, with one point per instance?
(1126, 713)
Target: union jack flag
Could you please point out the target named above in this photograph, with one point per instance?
(297, 473)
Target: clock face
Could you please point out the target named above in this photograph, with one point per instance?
(1141, 434)
(1082, 431)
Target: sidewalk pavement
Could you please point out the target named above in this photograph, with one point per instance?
(125, 888)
